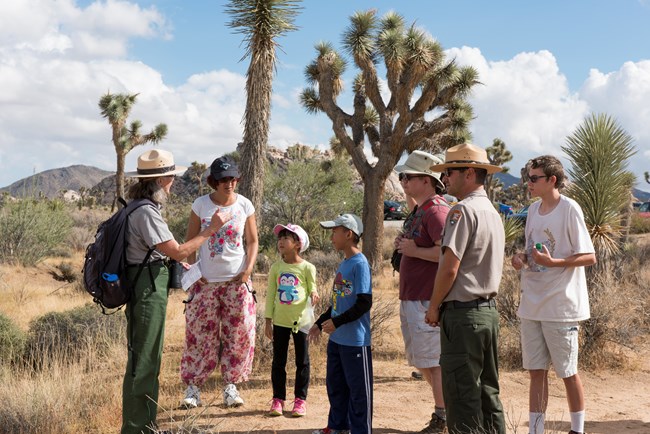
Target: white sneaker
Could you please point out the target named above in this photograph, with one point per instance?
(192, 397)
(231, 396)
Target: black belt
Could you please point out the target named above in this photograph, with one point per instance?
(473, 304)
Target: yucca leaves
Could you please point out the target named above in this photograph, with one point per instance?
(599, 151)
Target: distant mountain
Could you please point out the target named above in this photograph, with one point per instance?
(52, 182)
(508, 180)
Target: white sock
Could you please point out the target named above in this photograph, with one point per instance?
(578, 421)
(536, 423)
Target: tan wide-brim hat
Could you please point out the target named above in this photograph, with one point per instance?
(419, 163)
(156, 163)
(466, 155)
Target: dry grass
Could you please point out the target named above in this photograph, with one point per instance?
(85, 395)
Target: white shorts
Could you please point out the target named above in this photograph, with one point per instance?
(546, 342)
(421, 341)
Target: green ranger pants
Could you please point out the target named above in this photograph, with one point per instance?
(470, 372)
(145, 315)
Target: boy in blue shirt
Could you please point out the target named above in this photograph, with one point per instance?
(347, 321)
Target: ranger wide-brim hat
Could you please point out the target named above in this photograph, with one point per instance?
(419, 163)
(156, 163)
(466, 155)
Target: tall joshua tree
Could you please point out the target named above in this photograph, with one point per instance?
(116, 107)
(261, 22)
(498, 155)
(425, 109)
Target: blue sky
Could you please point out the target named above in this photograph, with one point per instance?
(544, 65)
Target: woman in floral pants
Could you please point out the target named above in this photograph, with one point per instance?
(220, 313)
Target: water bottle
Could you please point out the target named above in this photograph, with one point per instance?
(110, 277)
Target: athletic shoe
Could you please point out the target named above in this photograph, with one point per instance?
(277, 407)
(575, 432)
(435, 426)
(417, 375)
(299, 408)
(328, 430)
(192, 397)
(231, 396)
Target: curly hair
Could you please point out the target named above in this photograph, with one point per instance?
(551, 166)
(148, 188)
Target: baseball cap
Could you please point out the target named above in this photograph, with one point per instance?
(349, 221)
(223, 167)
(302, 235)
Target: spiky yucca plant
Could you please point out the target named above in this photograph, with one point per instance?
(599, 151)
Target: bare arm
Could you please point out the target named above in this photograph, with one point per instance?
(578, 260)
(193, 229)
(179, 252)
(445, 277)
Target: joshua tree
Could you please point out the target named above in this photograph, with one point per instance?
(116, 108)
(646, 175)
(424, 106)
(498, 155)
(195, 172)
(261, 22)
(599, 151)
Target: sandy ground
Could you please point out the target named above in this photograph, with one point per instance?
(616, 403)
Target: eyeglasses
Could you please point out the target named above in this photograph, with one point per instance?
(447, 172)
(408, 176)
(535, 178)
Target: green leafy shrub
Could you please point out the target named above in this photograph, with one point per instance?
(12, 341)
(68, 335)
(31, 229)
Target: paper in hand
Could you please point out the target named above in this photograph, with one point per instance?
(191, 275)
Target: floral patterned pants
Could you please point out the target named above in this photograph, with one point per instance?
(220, 316)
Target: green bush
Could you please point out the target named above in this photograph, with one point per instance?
(639, 225)
(68, 335)
(12, 341)
(31, 229)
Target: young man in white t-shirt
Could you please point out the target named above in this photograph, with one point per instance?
(553, 290)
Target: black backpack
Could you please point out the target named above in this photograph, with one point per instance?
(104, 270)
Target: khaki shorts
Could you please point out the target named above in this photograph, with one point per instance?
(421, 341)
(546, 342)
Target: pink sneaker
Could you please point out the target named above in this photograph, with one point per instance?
(299, 408)
(277, 407)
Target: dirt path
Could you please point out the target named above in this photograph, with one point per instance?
(616, 403)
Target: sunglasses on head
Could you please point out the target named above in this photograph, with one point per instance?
(408, 176)
(535, 178)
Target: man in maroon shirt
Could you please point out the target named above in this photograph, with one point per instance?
(419, 244)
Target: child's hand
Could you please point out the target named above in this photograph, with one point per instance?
(268, 329)
(328, 326)
(314, 298)
(314, 334)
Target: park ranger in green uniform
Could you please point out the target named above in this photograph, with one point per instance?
(463, 302)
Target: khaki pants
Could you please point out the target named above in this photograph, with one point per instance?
(145, 315)
(470, 373)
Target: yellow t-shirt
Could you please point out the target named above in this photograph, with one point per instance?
(289, 288)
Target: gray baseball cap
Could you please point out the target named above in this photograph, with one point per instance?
(349, 221)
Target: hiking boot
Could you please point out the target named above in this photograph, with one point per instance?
(575, 432)
(299, 408)
(435, 426)
(277, 407)
(192, 397)
(417, 375)
(231, 396)
(328, 430)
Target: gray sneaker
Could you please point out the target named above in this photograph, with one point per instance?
(192, 397)
(436, 425)
(231, 396)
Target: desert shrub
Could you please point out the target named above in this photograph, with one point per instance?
(30, 230)
(388, 243)
(12, 341)
(70, 334)
(65, 272)
(326, 264)
(639, 225)
(176, 213)
(381, 314)
(84, 226)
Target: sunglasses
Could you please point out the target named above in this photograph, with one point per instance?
(408, 176)
(447, 172)
(227, 180)
(535, 178)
